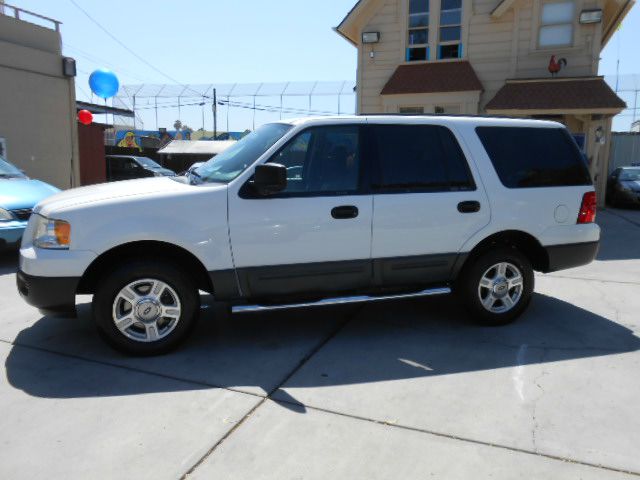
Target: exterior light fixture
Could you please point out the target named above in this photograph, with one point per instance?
(69, 67)
(593, 15)
(370, 37)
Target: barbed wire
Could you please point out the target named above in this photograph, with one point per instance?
(159, 97)
(231, 90)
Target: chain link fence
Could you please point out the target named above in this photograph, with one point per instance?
(229, 107)
(627, 87)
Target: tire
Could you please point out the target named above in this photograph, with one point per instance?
(150, 323)
(505, 289)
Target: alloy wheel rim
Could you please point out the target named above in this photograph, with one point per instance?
(146, 310)
(500, 288)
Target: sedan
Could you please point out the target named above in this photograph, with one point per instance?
(623, 186)
(18, 195)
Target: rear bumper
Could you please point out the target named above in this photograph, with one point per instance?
(571, 255)
(48, 293)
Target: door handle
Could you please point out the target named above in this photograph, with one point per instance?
(469, 206)
(344, 212)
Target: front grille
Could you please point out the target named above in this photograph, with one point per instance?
(22, 214)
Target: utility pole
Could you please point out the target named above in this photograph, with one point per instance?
(202, 114)
(215, 114)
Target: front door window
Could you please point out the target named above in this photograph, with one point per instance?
(322, 160)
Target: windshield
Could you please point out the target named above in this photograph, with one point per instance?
(9, 171)
(234, 160)
(630, 174)
(147, 162)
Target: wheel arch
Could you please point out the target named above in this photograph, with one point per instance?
(524, 242)
(145, 249)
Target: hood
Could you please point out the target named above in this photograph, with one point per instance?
(107, 191)
(164, 171)
(21, 193)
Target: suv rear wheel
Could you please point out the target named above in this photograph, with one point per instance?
(146, 308)
(497, 286)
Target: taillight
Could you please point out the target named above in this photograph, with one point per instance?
(588, 208)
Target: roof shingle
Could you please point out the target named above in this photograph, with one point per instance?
(433, 78)
(556, 94)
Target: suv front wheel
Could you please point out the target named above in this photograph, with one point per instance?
(145, 307)
(497, 286)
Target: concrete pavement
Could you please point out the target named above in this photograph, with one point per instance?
(395, 390)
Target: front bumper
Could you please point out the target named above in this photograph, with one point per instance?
(48, 293)
(571, 255)
(11, 233)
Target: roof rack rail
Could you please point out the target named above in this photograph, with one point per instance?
(461, 115)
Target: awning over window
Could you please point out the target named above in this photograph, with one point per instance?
(436, 77)
(556, 95)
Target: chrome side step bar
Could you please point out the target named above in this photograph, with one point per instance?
(340, 301)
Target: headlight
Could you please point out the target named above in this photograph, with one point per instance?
(5, 215)
(158, 174)
(51, 234)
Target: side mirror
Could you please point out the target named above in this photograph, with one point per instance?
(270, 178)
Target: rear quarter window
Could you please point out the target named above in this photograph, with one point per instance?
(526, 157)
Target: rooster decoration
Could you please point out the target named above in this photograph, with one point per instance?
(555, 67)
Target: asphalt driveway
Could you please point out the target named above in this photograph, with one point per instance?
(405, 389)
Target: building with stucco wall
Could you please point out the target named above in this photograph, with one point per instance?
(37, 99)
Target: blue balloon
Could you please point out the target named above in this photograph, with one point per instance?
(104, 83)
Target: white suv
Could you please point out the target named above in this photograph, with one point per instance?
(320, 211)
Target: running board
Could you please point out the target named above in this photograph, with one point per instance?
(340, 301)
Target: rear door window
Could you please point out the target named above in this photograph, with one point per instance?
(526, 157)
(415, 158)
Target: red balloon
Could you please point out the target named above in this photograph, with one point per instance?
(85, 117)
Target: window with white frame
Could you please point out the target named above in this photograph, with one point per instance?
(411, 110)
(450, 34)
(418, 31)
(556, 24)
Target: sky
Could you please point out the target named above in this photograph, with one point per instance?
(250, 41)
(213, 41)
(623, 46)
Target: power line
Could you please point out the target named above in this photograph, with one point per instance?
(100, 61)
(83, 91)
(123, 45)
